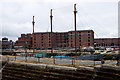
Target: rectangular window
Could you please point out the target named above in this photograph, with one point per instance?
(80, 44)
(80, 41)
(88, 44)
(88, 40)
(88, 34)
(88, 37)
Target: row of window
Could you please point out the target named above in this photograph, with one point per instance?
(103, 44)
(64, 41)
(71, 35)
(81, 34)
(64, 45)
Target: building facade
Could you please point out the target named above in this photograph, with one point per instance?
(25, 41)
(84, 38)
(107, 42)
(7, 44)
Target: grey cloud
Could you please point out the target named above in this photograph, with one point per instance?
(17, 17)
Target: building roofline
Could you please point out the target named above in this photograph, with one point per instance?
(106, 38)
(63, 32)
(81, 30)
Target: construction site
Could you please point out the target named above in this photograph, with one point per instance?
(72, 55)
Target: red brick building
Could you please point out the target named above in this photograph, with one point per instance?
(107, 42)
(85, 38)
(62, 39)
(25, 41)
(44, 40)
(6, 44)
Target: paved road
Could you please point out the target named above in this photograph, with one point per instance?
(58, 61)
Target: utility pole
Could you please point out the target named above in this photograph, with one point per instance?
(33, 23)
(51, 17)
(75, 27)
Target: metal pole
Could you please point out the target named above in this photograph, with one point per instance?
(33, 23)
(51, 17)
(75, 30)
(73, 61)
(26, 49)
(75, 27)
(51, 30)
(38, 59)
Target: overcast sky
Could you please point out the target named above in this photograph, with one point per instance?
(98, 15)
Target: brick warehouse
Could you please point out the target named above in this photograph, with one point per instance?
(85, 38)
(107, 42)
